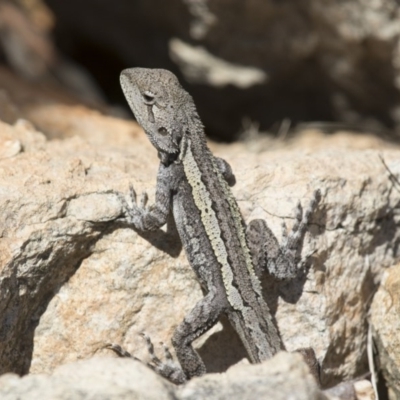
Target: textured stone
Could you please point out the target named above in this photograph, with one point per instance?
(73, 278)
(97, 378)
(364, 390)
(284, 376)
(55, 202)
(385, 320)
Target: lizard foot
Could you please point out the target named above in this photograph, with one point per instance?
(292, 242)
(289, 263)
(168, 369)
(134, 212)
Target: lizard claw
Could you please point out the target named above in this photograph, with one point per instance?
(169, 369)
(143, 200)
(296, 236)
(132, 194)
(133, 212)
(289, 262)
(167, 353)
(116, 348)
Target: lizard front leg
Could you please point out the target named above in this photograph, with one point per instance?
(281, 261)
(225, 170)
(150, 218)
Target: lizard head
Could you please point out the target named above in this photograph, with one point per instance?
(161, 106)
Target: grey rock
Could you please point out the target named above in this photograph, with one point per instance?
(97, 378)
(385, 324)
(285, 376)
(72, 279)
(70, 285)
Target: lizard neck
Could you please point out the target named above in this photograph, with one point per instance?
(166, 158)
(194, 139)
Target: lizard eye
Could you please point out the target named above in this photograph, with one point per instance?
(162, 131)
(148, 98)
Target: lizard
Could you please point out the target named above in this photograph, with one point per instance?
(227, 256)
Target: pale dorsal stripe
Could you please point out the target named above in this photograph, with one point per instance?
(203, 202)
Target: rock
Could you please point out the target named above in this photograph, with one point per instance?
(53, 209)
(97, 378)
(284, 376)
(73, 278)
(385, 322)
(200, 66)
(364, 390)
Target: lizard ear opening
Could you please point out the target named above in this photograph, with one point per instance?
(162, 131)
(165, 139)
(148, 98)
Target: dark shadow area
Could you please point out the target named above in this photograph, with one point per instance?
(387, 227)
(115, 38)
(223, 349)
(168, 242)
(383, 392)
(105, 39)
(334, 360)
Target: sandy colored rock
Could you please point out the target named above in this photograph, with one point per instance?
(40, 248)
(385, 320)
(364, 390)
(74, 278)
(285, 376)
(97, 378)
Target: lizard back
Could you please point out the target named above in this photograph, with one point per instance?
(224, 228)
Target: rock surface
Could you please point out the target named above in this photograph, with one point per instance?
(97, 378)
(263, 381)
(385, 311)
(285, 376)
(73, 278)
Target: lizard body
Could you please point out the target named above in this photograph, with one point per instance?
(227, 256)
